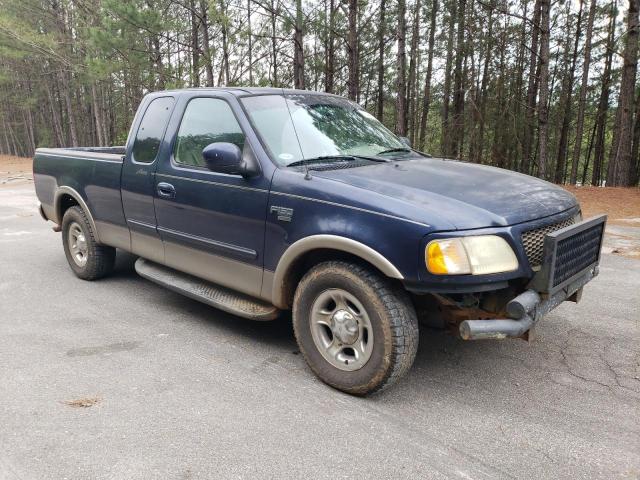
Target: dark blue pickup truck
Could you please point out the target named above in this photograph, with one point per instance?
(257, 201)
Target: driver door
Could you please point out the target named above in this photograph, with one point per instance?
(212, 224)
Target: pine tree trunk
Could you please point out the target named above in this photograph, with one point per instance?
(14, 145)
(411, 82)
(582, 97)
(603, 103)
(635, 150)
(498, 147)
(298, 48)
(457, 133)
(66, 93)
(352, 50)
(401, 84)
(7, 147)
(518, 94)
(54, 111)
(29, 133)
(381, 34)
(330, 49)
(96, 115)
(225, 43)
(475, 152)
(585, 168)
(156, 63)
(426, 99)
(104, 115)
(274, 44)
(532, 91)
(620, 167)
(543, 107)
(250, 42)
(561, 159)
(195, 46)
(444, 142)
(206, 47)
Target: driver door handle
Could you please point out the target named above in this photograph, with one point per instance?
(166, 190)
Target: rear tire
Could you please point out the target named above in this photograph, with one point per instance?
(357, 330)
(87, 258)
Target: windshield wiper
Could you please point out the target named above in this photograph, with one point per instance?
(393, 150)
(333, 158)
(322, 159)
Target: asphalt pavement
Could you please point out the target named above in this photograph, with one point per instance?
(122, 379)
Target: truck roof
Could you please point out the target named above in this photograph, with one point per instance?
(243, 91)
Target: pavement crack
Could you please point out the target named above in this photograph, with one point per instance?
(570, 371)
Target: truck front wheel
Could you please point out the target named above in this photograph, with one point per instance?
(87, 258)
(356, 329)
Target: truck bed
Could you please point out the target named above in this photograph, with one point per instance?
(89, 175)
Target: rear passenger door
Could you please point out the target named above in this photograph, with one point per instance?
(138, 184)
(212, 224)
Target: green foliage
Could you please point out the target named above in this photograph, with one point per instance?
(80, 68)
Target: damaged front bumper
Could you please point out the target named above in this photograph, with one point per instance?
(571, 258)
(525, 311)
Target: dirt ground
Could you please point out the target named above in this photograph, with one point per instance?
(622, 205)
(15, 170)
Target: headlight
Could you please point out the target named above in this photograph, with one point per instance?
(475, 255)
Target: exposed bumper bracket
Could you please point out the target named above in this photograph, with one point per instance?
(525, 310)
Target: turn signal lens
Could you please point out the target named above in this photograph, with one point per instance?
(478, 255)
(447, 257)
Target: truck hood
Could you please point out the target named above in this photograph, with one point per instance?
(467, 195)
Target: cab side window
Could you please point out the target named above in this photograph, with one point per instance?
(205, 121)
(151, 130)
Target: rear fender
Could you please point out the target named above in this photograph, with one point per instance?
(57, 202)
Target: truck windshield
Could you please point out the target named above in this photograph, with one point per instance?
(299, 127)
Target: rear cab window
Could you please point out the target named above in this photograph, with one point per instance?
(151, 130)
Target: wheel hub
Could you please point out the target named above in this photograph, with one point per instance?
(78, 246)
(341, 329)
(344, 327)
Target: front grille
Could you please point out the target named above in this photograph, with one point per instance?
(533, 241)
(577, 252)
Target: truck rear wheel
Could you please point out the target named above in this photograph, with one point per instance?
(87, 258)
(357, 331)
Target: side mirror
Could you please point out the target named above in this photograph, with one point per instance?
(406, 141)
(225, 157)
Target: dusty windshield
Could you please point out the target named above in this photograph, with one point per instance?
(299, 127)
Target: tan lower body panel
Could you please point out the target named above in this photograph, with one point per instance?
(114, 235)
(233, 274)
(147, 246)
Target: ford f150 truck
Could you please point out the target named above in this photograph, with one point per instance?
(258, 201)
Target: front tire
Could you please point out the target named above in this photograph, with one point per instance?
(357, 330)
(87, 258)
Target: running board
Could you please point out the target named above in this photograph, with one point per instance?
(206, 292)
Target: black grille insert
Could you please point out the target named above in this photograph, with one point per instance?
(577, 252)
(533, 241)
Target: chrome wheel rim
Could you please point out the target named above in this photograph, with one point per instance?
(77, 244)
(341, 329)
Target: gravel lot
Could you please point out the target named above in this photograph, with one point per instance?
(123, 379)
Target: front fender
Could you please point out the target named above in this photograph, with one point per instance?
(305, 215)
(324, 241)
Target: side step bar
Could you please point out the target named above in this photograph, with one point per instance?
(214, 295)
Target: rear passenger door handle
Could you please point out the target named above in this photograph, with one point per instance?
(166, 190)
